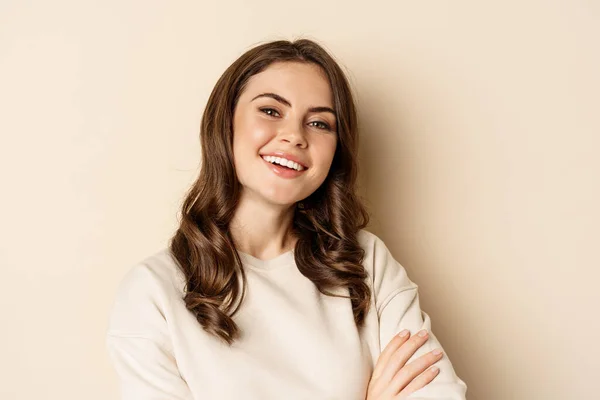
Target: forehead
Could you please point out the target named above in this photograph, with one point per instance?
(300, 83)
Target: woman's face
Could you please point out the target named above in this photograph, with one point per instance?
(286, 111)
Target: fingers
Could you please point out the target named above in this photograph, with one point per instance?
(399, 358)
(389, 350)
(411, 376)
(420, 381)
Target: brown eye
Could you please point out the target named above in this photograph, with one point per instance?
(320, 125)
(270, 112)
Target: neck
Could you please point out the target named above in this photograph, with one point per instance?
(263, 230)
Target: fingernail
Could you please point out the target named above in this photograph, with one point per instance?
(435, 370)
(437, 352)
(403, 333)
(423, 333)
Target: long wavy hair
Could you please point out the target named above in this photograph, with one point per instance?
(326, 223)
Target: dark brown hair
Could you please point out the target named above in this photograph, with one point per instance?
(326, 223)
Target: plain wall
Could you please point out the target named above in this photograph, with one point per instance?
(480, 137)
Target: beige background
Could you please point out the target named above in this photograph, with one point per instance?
(480, 133)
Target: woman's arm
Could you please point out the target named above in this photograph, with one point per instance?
(403, 312)
(138, 342)
(146, 370)
(398, 308)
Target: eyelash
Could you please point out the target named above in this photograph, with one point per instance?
(270, 111)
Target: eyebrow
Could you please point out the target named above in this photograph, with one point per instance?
(287, 103)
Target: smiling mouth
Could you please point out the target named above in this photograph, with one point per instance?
(284, 162)
(283, 171)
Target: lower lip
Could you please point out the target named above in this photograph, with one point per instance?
(283, 171)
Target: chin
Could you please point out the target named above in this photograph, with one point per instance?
(283, 203)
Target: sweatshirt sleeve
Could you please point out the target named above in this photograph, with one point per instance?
(398, 308)
(138, 343)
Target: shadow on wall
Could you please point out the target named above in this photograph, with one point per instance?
(391, 163)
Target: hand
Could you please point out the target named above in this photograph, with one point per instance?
(392, 379)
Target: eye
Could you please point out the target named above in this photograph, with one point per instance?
(320, 125)
(270, 112)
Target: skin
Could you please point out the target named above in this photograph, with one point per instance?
(286, 120)
(392, 378)
(262, 221)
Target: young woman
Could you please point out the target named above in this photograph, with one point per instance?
(271, 288)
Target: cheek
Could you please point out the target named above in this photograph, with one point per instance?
(326, 150)
(253, 131)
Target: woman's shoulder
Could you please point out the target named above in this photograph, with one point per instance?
(367, 238)
(376, 251)
(158, 271)
(386, 274)
(147, 289)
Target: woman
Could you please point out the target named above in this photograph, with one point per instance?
(271, 288)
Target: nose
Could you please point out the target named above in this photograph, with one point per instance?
(294, 136)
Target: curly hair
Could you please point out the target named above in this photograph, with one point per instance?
(326, 223)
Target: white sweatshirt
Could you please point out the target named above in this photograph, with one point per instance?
(296, 343)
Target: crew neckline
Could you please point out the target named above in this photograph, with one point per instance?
(281, 260)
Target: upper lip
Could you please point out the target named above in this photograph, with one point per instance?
(287, 156)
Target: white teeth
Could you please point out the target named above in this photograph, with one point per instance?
(284, 162)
